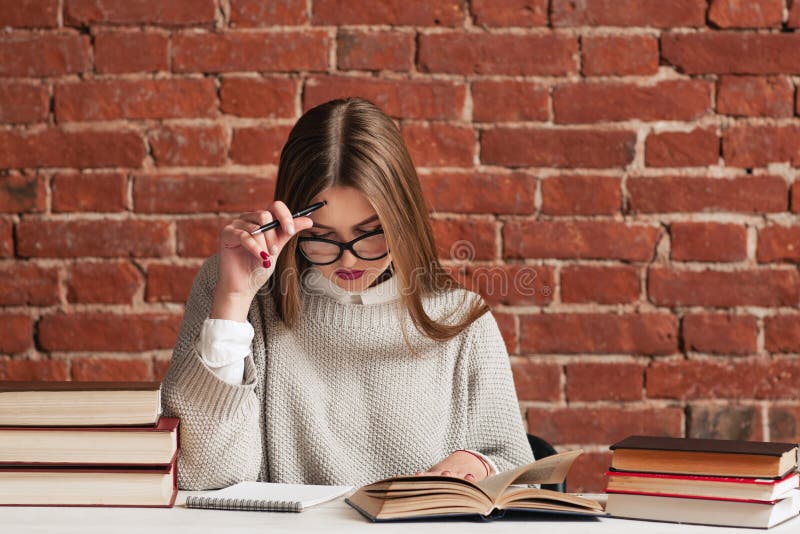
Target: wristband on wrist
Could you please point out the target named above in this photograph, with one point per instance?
(483, 462)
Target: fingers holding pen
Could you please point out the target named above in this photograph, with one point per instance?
(279, 236)
(252, 243)
(277, 211)
(289, 225)
(276, 238)
(300, 223)
(262, 218)
(284, 216)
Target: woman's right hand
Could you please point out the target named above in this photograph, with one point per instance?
(247, 261)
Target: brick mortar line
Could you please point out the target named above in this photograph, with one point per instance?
(535, 174)
(641, 128)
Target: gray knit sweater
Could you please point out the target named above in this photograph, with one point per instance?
(339, 400)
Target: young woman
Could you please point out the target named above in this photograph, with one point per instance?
(336, 349)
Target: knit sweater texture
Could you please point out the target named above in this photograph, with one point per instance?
(339, 399)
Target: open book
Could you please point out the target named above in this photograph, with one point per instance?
(424, 496)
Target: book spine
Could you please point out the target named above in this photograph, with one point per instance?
(248, 505)
(496, 513)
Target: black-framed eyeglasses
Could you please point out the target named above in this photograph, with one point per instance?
(320, 251)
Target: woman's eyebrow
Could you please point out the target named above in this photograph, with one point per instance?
(370, 219)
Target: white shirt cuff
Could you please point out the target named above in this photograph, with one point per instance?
(223, 342)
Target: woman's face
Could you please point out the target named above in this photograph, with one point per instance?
(347, 215)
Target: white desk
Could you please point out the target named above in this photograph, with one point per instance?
(335, 516)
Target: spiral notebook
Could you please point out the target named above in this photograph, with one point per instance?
(266, 497)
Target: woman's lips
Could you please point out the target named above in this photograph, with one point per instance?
(349, 275)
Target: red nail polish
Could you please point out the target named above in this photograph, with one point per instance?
(264, 255)
(266, 264)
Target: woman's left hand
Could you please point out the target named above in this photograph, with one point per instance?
(459, 464)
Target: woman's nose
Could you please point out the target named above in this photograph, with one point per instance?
(348, 260)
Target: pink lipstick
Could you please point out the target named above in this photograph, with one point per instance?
(349, 275)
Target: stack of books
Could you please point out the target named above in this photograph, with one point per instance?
(86, 444)
(705, 481)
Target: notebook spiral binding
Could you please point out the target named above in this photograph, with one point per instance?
(248, 505)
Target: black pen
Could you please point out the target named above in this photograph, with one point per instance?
(274, 224)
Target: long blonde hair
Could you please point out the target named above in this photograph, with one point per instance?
(351, 142)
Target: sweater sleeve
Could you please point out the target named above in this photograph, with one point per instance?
(224, 344)
(220, 435)
(494, 422)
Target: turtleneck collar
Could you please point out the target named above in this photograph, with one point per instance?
(384, 291)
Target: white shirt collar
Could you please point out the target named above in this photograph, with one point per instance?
(316, 282)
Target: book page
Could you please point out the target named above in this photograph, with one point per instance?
(547, 499)
(549, 470)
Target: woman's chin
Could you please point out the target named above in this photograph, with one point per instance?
(350, 285)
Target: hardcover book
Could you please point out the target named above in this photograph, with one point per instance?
(87, 446)
(423, 496)
(93, 486)
(716, 457)
(758, 489)
(754, 514)
(66, 403)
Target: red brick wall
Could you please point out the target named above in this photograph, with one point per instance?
(629, 164)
